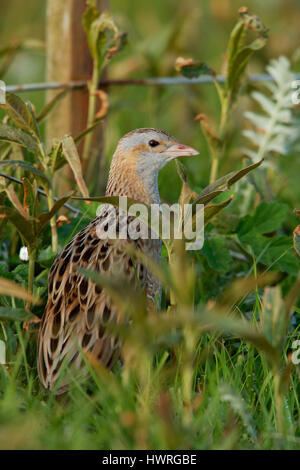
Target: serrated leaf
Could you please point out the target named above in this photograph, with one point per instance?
(258, 120)
(267, 218)
(266, 103)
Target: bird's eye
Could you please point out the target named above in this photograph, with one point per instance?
(153, 143)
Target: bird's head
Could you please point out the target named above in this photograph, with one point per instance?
(140, 155)
(151, 149)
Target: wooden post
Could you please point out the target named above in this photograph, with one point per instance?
(68, 58)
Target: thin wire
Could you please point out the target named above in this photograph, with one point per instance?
(42, 192)
(255, 78)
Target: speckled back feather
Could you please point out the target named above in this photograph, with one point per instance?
(78, 311)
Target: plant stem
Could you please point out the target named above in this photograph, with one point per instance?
(52, 222)
(214, 167)
(93, 86)
(31, 266)
(279, 401)
(217, 154)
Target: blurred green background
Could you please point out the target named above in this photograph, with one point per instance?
(158, 33)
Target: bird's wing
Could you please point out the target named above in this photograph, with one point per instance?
(77, 309)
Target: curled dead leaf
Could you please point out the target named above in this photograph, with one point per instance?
(104, 104)
(61, 219)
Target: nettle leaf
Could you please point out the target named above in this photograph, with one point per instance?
(216, 251)
(267, 218)
(17, 136)
(19, 112)
(277, 251)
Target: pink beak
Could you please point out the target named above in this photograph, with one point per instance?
(180, 150)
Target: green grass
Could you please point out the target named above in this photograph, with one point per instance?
(232, 405)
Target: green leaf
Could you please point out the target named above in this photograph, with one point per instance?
(45, 218)
(216, 251)
(87, 131)
(276, 252)
(14, 314)
(241, 329)
(191, 69)
(18, 111)
(17, 136)
(104, 39)
(51, 104)
(26, 166)
(238, 53)
(224, 183)
(211, 210)
(267, 218)
(24, 226)
(240, 61)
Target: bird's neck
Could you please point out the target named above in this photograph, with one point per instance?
(126, 180)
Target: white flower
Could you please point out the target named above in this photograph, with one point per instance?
(2, 352)
(24, 254)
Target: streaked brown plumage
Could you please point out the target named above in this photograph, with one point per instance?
(77, 309)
